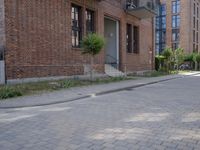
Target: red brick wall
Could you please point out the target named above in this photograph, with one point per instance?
(38, 38)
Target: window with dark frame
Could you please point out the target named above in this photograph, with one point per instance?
(90, 22)
(175, 21)
(176, 6)
(132, 39)
(76, 25)
(135, 39)
(175, 35)
(129, 40)
(161, 29)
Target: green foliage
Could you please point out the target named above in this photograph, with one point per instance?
(67, 84)
(178, 57)
(92, 44)
(9, 92)
(167, 53)
(159, 61)
(188, 57)
(198, 58)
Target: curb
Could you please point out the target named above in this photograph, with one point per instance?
(94, 94)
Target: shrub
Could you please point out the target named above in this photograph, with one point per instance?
(168, 53)
(159, 62)
(8, 92)
(188, 57)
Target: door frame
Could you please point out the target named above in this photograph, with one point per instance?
(2, 72)
(117, 36)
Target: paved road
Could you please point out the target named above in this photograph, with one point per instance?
(160, 116)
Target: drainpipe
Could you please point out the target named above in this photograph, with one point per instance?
(153, 42)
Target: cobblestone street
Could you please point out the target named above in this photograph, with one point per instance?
(162, 116)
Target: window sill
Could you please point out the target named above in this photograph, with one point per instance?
(133, 53)
(76, 48)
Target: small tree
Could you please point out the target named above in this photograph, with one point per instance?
(168, 53)
(92, 44)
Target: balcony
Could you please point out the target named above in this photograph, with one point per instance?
(142, 8)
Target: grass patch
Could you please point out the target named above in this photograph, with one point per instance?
(10, 91)
(156, 74)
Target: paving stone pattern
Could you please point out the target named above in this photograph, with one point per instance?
(163, 116)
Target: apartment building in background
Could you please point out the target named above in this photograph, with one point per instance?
(177, 25)
(41, 39)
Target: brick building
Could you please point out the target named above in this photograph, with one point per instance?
(41, 39)
(177, 25)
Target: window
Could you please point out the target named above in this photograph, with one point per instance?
(132, 39)
(194, 8)
(163, 22)
(1, 55)
(161, 29)
(197, 37)
(194, 48)
(197, 25)
(194, 22)
(136, 39)
(163, 9)
(129, 38)
(157, 22)
(176, 6)
(197, 12)
(175, 35)
(175, 21)
(163, 36)
(194, 35)
(157, 37)
(175, 46)
(89, 21)
(76, 25)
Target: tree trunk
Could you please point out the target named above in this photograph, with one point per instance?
(91, 67)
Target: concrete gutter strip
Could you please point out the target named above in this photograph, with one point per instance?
(108, 91)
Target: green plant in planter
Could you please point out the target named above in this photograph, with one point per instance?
(92, 44)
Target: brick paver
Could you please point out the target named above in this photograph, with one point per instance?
(163, 116)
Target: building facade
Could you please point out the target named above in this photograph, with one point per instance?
(41, 39)
(177, 25)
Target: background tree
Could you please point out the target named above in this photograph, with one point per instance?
(92, 44)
